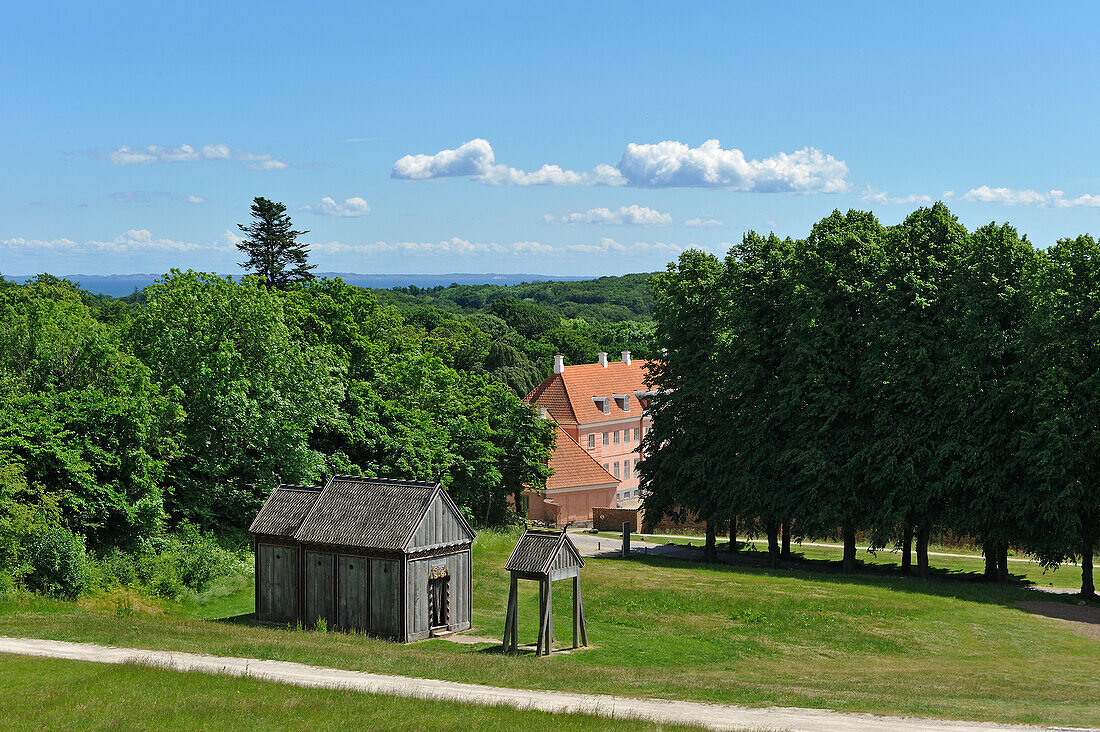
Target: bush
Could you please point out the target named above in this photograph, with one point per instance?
(57, 564)
(200, 559)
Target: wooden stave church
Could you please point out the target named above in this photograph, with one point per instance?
(388, 557)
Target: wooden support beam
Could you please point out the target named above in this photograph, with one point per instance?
(510, 618)
(542, 618)
(549, 615)
(576, 610)
(584, 621)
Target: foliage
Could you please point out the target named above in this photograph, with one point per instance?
(57, 564)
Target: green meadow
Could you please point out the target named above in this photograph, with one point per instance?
(660, 627)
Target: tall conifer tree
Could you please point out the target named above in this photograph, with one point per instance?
(274, 253)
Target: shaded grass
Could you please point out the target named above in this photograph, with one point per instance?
(51, 693)
(674, 629)
(970, 567)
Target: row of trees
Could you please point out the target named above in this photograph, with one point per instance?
(884, 380)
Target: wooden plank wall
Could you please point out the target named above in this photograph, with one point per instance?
(458, 566)
(277, 593)
(385, 602)
(319, 588)
(439, 526)
(352, 598)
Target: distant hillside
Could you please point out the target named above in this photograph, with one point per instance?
(604, 299)
(126, 284)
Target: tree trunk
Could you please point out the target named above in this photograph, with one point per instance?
(1088, 587)
(785, 552)
(773, 543)
(907, 549)
(733, 535)
(1002, 564)
(990, 551)
(923, 534)
(710, 550)
(849, 533)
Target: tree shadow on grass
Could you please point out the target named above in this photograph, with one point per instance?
(953, 583)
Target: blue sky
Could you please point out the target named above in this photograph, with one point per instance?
(133, 139)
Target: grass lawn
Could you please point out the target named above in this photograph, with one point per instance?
(674, 629)
(970, 567)
(49, 693)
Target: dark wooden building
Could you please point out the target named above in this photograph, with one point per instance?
(388, 557)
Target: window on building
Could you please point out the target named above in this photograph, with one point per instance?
(605, 466)
(605, 438)
(616, 466)
(591, 442)
(616, 433)
(635, 434)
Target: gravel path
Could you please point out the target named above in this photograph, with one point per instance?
(709, 716)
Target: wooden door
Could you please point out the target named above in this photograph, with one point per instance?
(352, 610)
(319, 589)
(276, 583)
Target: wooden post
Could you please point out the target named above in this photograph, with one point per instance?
(626, 538)
(549, 615)
(576, 609)
(542, 618)
(510, 618)
(580, 607)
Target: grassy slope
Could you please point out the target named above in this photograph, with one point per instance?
(666, 628)
(76, 695)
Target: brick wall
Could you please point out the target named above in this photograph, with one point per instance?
(611, 519)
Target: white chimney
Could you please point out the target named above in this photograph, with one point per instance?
(559, 364)
(626, 357)
(603, 359)
(544, 413)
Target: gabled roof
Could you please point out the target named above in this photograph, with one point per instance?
(568, 396)
(537, 549)
(284, 510)
(369, 513)
(572, 466)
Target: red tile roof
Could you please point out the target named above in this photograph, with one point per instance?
(568, 396)
(574, 467)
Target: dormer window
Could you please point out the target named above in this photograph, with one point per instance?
(623, 401)
(604, 403)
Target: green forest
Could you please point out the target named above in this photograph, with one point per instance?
(889, 381)
(139, 436)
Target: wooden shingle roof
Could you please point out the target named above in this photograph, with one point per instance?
(284, 510)
(537, 550)
(368, 513)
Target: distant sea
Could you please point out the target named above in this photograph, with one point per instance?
(122, 285)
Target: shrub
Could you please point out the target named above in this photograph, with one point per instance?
(57, 564)
(199, 558)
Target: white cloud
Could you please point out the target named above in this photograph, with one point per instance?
(194, 199)
(703, 223)
(632, 214)
(127, 155)
(874, 195)
(666, 164)
(475, 159)
(132, 240)
(671, 164)
(1028, 197)
(351, 207)
(463, 247)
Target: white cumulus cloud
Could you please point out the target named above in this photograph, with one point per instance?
(673, 164)
(194, 199)
(351, 207)
(874, 195)
(703, 223)
(667, 164)
(1028, 197)
(632, 214)
(149, 154)
(129, 241)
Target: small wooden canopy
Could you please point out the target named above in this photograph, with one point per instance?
(544, 556)
(542, 553)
